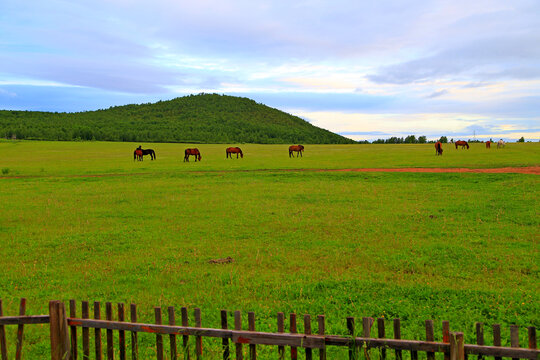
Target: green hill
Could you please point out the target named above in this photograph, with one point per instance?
(204, 118)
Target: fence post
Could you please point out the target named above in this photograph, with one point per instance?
(60, 342)
(457, 348)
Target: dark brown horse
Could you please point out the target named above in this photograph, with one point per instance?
(143, 152)
(488, 144)
(297, 148)
(138, 155)
(195, 152)
(233, 150)
(438, 148)
(462, 144)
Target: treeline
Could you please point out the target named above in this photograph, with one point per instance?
(203, 118)
(411, 139)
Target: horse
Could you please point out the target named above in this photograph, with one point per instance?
(500, 144)
(137, 155)
(438, 148)
(462, 144)
(195, 152)
(297, 148)
(233, 150)
(150, 152)
(488, 144)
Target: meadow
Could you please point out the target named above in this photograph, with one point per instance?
(82, 220)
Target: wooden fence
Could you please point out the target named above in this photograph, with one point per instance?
(65, 336)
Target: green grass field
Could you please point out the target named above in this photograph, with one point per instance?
(441, 246)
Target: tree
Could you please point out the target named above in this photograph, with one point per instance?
(422, 139)
(411, 139)
(443, 139)
(521, 139)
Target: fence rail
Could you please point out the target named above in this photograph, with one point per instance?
(64, 336)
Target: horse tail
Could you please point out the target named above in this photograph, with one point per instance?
(134, 155)
(154, 153)
(467, 145)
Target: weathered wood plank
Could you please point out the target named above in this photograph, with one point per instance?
(251, 327)
(293, 330)
(3, 345)
(110, 344)
(514, 337)
(225, 340)
(480, 336)
(397, 335)
(85, 314)
(73, 329)
(134, 340)
(20, 330)
(531, 331)
(238, 326)
(172, 337)
(307, 331)
(430, 336)
(351, 341)
(185, 338)
(198, 339)
(159, 337)
(281, 329)
(59, 332)
(381, 334)
(298, 340)
(446, 337)
(121, 333)
(497, 337)
(97, 331)
(321, 330)
(25, 319)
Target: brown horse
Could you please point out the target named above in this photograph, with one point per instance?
(195, 152)
(462, 144)
(438, 148)
(233, 150)
(297, 148)
(138, 155)
(488, 144)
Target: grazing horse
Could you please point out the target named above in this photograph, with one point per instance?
(438, 148)
(137, 155)
(488, 144)
(500, 144)
(462, 144)
(297, 148)
(195, 152)
(233, 150)
(143, 152)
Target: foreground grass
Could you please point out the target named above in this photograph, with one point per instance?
(458, 247)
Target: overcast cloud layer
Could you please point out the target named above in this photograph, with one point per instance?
(362, 69)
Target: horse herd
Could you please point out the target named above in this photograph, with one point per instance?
(140, 152)
(463, 144)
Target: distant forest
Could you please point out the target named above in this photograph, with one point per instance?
(203, 118)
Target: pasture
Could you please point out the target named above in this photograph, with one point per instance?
(82, 220)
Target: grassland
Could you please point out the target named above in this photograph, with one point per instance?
(458, 247)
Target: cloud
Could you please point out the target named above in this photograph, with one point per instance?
(437, 94)
(514, 57)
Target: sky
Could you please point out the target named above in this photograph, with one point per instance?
(363, 69)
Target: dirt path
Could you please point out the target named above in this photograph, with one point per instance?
(505, 170)
(535, 170)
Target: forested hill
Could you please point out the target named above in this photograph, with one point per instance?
(203, 118)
